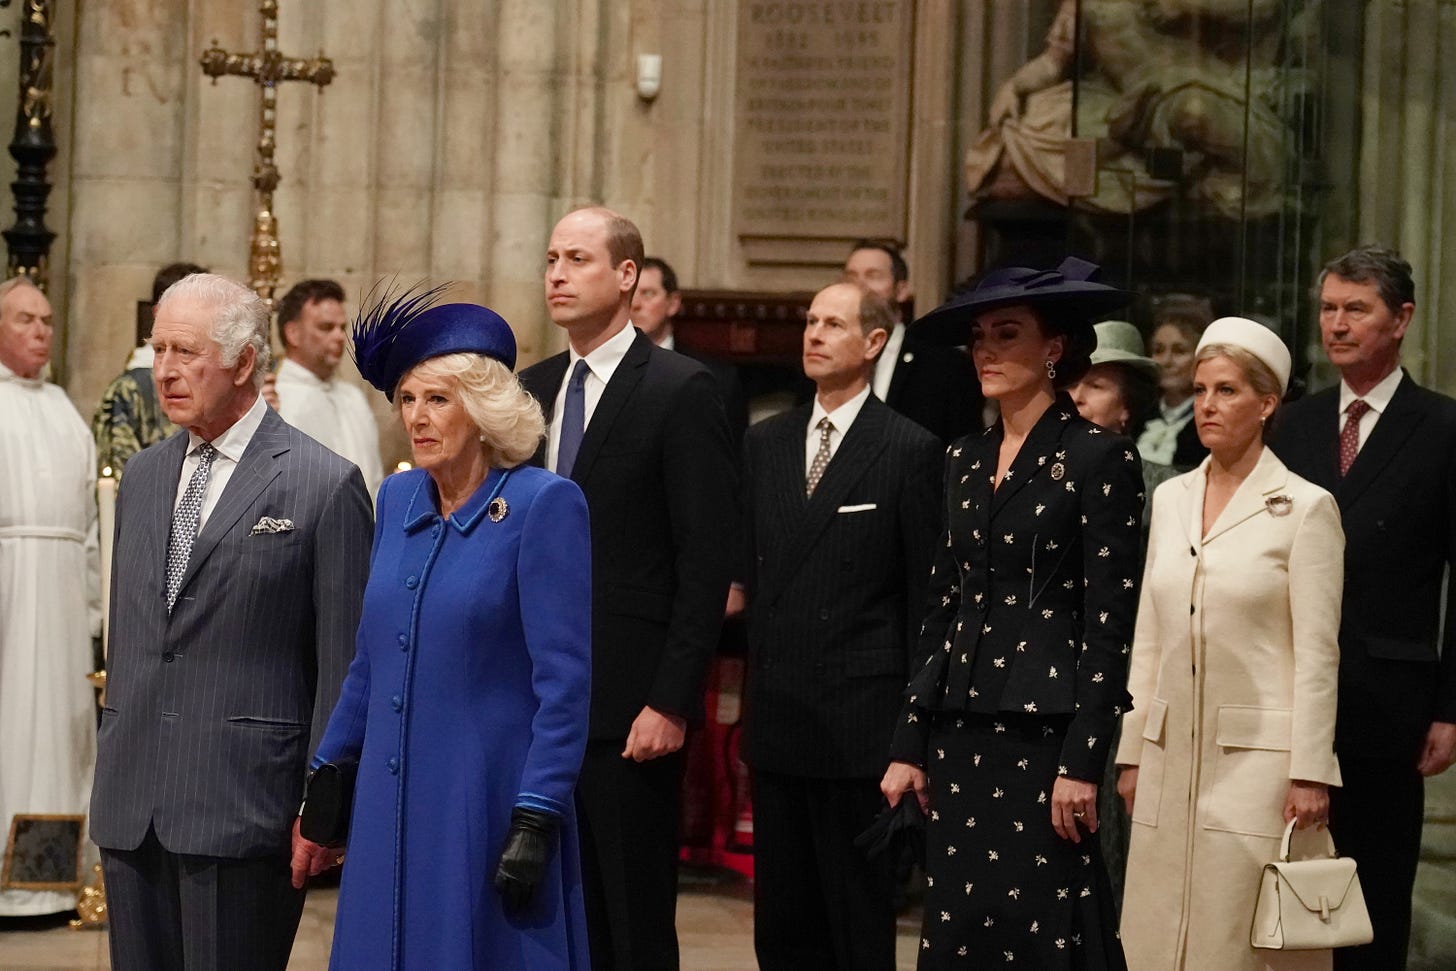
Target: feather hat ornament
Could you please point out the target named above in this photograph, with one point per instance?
(394, 333)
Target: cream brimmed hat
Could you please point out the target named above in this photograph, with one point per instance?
(1118, 342)
(1255, 338)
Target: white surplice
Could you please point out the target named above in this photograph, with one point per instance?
(335, 414)
(49, 610)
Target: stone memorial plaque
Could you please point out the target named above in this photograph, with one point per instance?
(823, 118)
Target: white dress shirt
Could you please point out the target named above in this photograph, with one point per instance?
(333, 413)
(840, 418)
(888, 360)
(1378, 398)
(230, 446)
(601, 365)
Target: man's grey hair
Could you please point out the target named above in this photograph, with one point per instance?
(1376, 265)
(15, 283)
(240, 318)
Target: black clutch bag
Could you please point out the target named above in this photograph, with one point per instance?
(896, 830)
(327, 799)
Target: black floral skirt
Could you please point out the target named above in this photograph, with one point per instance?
(1003, 889)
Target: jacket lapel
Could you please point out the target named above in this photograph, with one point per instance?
(1387, 438)
(544, 383)
(255, 470)
(861, 445)
(1038, 453)
(614, 397)
(1266, 480)
(1191, 508)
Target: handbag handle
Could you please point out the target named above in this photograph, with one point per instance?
(1289, 835)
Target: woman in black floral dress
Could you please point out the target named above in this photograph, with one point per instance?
(1007, 724)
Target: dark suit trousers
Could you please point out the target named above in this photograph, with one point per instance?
(818, 903)
(170, 911)
(627, 815)
(1376, 818)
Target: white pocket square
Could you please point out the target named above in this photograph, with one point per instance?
(270, 525)
(863, 507)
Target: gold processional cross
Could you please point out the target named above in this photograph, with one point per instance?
(267, 68)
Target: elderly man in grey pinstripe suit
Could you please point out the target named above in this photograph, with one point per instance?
(241, 553)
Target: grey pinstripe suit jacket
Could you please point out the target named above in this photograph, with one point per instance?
(211, 712)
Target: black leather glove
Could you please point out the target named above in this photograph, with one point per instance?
(529, 845)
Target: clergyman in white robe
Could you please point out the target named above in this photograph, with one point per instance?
(49, 611)
(333, 413)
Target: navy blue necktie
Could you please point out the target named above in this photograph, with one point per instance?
(573, 420)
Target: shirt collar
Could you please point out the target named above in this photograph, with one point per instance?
(604, 360)
(5, 373)
(141, 357)
(291, 370)
(1177, 412)
(1378, 397)
(232, 443)
(843, 416)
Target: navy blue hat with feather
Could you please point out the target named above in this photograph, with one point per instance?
(394, 334)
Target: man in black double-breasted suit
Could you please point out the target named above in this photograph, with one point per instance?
(1386, 448)
(841, 499)
(642, 431)
(933, 385)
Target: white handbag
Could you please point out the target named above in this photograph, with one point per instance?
(1307, 905)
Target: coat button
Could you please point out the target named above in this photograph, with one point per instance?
(393, 766)
(168, 657)
(435, 530)
(823, 613)
(397, 703)
(412, 582)
(1190, 610)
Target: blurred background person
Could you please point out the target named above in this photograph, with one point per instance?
(128, 419)
(311, 396)
(933, 385)
(50, 597)
(466, 705)
(1006, 726)
(1232, 730)
(1169, 437)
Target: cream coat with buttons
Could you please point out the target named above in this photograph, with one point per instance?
(1233, 677)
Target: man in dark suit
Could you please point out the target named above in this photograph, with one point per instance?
(1386, 448)
(242, 547)
(654, 304)
(642, 431)
(841, 497)
(932, 385)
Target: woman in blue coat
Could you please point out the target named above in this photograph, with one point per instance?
(466, 703)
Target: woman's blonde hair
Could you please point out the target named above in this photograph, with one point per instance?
(509, 419)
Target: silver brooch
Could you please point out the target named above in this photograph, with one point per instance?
(1058, 470)
(1279, 505)
(498, 509)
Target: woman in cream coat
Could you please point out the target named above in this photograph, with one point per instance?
(1233, 674)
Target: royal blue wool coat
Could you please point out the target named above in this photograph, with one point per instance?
(467, 696)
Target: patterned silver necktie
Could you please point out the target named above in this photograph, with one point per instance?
(821, 457)
(184, 522)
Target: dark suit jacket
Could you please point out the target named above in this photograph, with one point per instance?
(936, 387)
(1034, 587)
(1398, 506)
(730, 387)
(836, 583)
(658, 472)
(212, 711)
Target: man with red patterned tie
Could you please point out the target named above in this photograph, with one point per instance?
(1386, 448)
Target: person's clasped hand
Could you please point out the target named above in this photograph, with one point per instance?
(522, 867)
